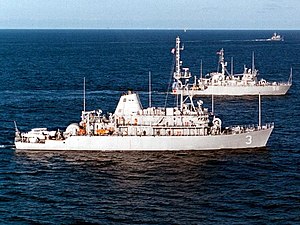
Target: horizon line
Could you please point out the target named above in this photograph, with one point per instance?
(184, 29)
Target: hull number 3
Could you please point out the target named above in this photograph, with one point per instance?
(248, 140)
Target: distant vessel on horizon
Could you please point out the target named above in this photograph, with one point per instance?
(276, 37)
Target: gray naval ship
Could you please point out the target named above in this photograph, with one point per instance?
(186, 126)
(276, 37)
(224, 83)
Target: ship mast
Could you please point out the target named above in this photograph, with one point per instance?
(212, 105)
(231, 72)
(201, 70)
(259, 110)
(253, 65)
(222, 61)
(177, 73)
(84, 94)
(182, 76)
(150, 89)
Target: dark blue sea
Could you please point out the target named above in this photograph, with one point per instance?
(41, 77)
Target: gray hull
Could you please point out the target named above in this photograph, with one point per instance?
(243, 90)
(253, 139)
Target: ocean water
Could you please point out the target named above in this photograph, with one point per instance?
(41, 75)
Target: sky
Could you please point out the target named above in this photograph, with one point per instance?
(150, 14)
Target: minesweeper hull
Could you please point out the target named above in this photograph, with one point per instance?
(254, 139)
(243, 90)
